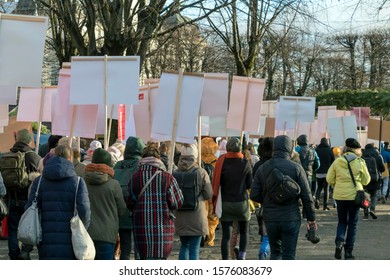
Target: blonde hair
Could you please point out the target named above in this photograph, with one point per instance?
(64, 151)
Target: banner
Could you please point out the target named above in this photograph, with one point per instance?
(22, 43)
(324, 114)
(362, 115)
(342, 128)
(35, 104)
(8, 95)
(215, 95)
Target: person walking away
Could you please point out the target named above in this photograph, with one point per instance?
(17, 196)
(385, 175)
(326, 156)
(152, 205)
(191, 225)
(209, 159)
(123, 171)
(375, 166)
(283, 221)
(107, 204)
(345, 192)
(264, 150)
(233, 176)
(56, 201)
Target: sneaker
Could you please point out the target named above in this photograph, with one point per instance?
(326, 208)
(337, 253)
(372, 214)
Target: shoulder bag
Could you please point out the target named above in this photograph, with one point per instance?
(82, 243)
(29, 228)
(362, 199)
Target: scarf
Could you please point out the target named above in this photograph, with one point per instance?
(153, 162)
(100, 167)
(218, 172)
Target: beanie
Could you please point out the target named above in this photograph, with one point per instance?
(233, 145)
(189, 150)
(101, 156)
(352, 143)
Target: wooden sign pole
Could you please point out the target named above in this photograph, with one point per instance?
(105, 101)
(200, 141)
(244, 111)
(43, 89)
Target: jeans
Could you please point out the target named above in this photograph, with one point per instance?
(14, 215)
(283, 239)
(189, 248)
(348, 214)
(226, 234)
(104, 250)
(323, 185)
(373, 201)
(385, 186)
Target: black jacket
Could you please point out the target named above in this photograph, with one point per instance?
(281, 160)
(370, 150)
(326, 156)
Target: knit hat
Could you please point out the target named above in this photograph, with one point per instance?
(94, 145)
(336, 151)
(115, 154)
(352, 143)
(101, 156)
(24, 136)
(233, 145)
(189, 150)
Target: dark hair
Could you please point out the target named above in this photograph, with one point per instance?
(265, 148)
(53, 141)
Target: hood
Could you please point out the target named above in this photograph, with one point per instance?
(209, 148)
(303, 140)
(370, 150)
(21, 147)
(283, 146)
(134, 148)
(58, 168)
(96, 178)
(324, 142)
(186, 163)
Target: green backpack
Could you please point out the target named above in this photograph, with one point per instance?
(13, 170)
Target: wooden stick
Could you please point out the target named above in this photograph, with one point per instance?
(214, 77)
(175, 120)
(72, 125)
(296, 121)
(105, 101)
(110, 125)
(22, 18)
(295, 98)
(103, 58)
(66, 65)
(199, 140)
(245, 105)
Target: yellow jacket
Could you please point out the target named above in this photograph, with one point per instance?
(338, 176)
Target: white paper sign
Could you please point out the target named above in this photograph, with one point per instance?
(342, 128)
(268, 108)
(190, 98)
(215, 95)
(297, 108)
(144, 111)
(84, 117)
(22, 42)
(89, 73)
(30, 104)
(4, 119)
(324, 114)
(281, 125)
(245, 103)
(8, 95)
(217, 128)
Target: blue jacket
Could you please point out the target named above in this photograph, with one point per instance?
(56, 199)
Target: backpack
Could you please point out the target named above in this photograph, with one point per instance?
(307, 157)
(282, 189)
(209, 168)
(188, 182)
(372, 168)
(14, 171)
(123, 174)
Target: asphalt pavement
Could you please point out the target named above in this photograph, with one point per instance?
(372, 242)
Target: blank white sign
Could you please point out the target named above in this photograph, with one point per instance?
(342, 128)
(30, 104)
(8, 95)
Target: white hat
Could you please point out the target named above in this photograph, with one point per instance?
(189, 150)
(94, 145)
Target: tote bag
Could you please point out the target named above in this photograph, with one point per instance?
(29, 228)
(82, 243)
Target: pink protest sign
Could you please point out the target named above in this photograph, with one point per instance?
(35, 104)
(362, 115)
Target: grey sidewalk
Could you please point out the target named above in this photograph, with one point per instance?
(372, 241)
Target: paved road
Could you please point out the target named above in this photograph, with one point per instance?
(372, 241)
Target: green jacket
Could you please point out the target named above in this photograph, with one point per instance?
(338, 176)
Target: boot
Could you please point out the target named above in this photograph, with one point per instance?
(348, 254)
(339, 249)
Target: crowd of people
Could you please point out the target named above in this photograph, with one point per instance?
(130, 202)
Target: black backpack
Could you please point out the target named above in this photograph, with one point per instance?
(123, 174)
(209, 168)
(14, 171)
(281, 189)
(188, 182)
(372, 168)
